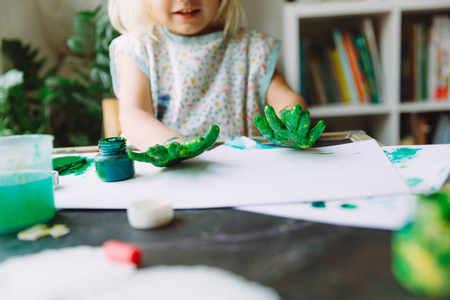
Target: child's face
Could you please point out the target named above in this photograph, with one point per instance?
(185, 17)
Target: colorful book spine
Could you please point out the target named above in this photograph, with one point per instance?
(346, 97)
(337, 36)
(442, 58)
(358, 76)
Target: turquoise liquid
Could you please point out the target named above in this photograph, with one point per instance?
(26, 199)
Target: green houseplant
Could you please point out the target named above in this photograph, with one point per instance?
(68, 108)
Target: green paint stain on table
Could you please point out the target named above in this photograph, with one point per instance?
(323, 153)
(318, 204)
(348, 206)
(67, 165)
(401, 155)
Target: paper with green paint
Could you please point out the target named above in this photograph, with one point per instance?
(424, 168)
(227, 176)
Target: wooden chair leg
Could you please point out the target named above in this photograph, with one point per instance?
(111, 124)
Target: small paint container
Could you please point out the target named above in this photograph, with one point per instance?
(112, 163)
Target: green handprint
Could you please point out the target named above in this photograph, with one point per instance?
(173, 153)
(291, 130)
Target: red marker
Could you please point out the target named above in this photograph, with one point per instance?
(122, 252)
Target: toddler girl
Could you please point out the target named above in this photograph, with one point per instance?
(182, 65)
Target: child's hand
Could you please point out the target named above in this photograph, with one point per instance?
(173, 153)
(291, 130)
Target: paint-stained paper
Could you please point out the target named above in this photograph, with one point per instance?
(228, 176)
(424, 168)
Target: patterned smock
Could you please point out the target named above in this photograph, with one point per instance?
(203, 80)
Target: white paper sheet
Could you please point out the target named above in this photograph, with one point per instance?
(424, 168)
(227, 177)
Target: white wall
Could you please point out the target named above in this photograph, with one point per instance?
(46, 24)
(265, 15)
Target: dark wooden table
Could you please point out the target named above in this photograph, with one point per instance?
(301, 260)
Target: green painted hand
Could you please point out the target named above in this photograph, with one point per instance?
(173, 153)
(292, 130)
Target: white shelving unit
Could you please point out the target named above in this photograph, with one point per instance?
(316, 20)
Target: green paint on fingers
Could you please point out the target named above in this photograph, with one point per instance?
(292, 130)
(174, 153)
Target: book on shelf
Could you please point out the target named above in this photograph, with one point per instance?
(367, 66)
(372, 45)
(426, 60)
(318, 94)
(442, 56)
(326, 74)
(334, 75)
(358, 75)
(339, 77)
(345, 63)
(419, 57)
(304, 78)
(344, 70)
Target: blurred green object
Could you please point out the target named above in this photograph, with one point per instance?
(421, 250)
(173, 153)
(292, 130)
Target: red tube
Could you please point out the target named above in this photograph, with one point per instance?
(122, 252)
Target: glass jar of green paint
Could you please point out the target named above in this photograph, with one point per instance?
(113, 163)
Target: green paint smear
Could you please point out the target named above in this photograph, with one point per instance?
(349, 206)
(318, 204)
(402, 154)
(323, 153)
(242, 144)
(414, 181)
(67, 165)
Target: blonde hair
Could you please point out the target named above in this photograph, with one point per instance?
(134, 16)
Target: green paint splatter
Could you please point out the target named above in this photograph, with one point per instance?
(357, 153)
(67, 165)
(318, 204)
(400, 155)
(412, 182)
(349, 206)
(323, 153)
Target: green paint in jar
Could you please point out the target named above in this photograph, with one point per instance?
(112, 163)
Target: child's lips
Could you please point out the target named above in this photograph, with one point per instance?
(187, 13)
